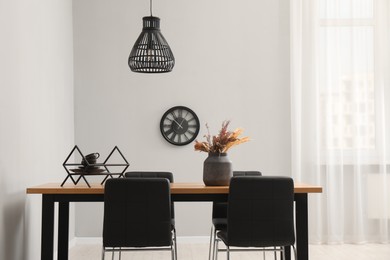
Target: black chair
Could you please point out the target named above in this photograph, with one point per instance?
(144, 174)
(137, 216)
(219, 212)
(260, 215)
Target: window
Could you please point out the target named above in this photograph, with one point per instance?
(347, 104)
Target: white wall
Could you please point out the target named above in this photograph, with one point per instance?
(232, 62)
(36, 114)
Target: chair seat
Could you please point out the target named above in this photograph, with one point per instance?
(219, 223)
(172, 223)
(223, 235)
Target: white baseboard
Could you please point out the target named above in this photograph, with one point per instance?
(98, 240)
(86, 241)
(193, 239)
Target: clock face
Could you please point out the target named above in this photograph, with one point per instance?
(179, 125)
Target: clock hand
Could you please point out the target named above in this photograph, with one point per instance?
(181, 122)
(177, 123)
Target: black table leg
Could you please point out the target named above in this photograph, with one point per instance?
(47, 227)
(302, 226)
(63, 230)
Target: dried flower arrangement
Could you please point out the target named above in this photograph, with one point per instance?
(222, 142)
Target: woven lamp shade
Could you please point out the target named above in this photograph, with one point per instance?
(151, 52)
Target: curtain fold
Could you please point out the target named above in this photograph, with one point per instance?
(340, 116)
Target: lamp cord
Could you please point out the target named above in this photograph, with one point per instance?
(151, 7)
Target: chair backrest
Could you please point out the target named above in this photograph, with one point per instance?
(260, 211)
(140, 174)
(220, 208)
(137, 212)
(143, 174)
(246, 173)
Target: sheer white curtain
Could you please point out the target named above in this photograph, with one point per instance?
(340, 110)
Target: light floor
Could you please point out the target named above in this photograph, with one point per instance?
(200, 252)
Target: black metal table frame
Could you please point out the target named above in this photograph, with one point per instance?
(49, 200)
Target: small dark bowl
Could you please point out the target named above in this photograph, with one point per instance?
(90, 159)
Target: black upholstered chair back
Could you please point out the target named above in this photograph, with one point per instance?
(140, 174)
(220, 208)
(246, 173)
(260, 212)
(137, 212)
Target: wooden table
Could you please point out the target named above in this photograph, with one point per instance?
(53, 192)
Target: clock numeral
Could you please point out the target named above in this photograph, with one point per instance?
(173, 137)
(179, 138)
(173, 114)
(192, 126)
(191, 119)
(180, 113)
(168, 132)
(186, 114)
(191, 132)
(185, 135)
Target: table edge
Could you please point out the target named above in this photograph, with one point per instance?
(176, 188)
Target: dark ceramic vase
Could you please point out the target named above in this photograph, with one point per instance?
(217, 170)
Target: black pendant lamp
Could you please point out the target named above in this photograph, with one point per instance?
(151, 52)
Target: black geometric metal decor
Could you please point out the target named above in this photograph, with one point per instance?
(78, 171)
(151, 52)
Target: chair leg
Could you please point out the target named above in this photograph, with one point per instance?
(227, 252)
(215, 241)
(211, 242)
(172, 252)
(216, 248)
(103, 253)
(174, 245)
(174, 233)
(113, 253)
(120, 253)
(295, 252)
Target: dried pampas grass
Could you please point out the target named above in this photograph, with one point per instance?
(222, 142)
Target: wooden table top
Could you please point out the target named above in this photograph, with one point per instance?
(176, 188)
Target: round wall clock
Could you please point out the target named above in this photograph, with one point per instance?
(179, 125)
